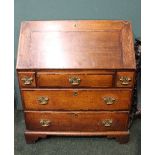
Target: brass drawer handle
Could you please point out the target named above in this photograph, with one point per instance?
(125, 80)
(27, 80)
(45, 122)
(107, 122)
(43, 100)
(75, 81)
(109, 100)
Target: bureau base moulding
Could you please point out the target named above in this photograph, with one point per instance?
(121, 136)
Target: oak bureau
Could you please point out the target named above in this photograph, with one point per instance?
(76, 78)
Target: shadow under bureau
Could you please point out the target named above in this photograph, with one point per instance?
(76, 78)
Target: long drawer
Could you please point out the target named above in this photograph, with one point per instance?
(46, 79)
(76, 121)
(77, 99)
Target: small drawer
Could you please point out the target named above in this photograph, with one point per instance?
(74, 80)
(125, 79)
(76, 121)
(26, 79)
(77, 99)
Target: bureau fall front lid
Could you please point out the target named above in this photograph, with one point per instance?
(79, 44)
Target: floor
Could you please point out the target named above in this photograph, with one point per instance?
(76, 145)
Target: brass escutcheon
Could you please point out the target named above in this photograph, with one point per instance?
(45, 122)
(75, 93)
(43, 100)
(75, 114)
(75, 81)
(109, 100)
(125, 80)
(27, 80)
(107, 122)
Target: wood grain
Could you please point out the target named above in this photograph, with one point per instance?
(86, 99)
(76, 121)
(45, 79)
(130, 75)
(22, 75)
(60, 44)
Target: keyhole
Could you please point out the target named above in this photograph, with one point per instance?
(75, 93)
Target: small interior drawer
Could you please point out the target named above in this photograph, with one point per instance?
(125, 79)
(26, 79)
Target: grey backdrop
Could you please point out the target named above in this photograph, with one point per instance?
(74, 9)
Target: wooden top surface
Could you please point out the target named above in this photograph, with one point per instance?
(78, 44)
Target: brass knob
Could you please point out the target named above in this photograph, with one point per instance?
(27, 80)
(75, 81)
(107, 122)
(45, 122)
(125, 80)
(43, 100)
(109, 100)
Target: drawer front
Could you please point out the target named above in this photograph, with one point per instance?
(73, 80)
(26, 79)
(125, 79)
(76, 121)
(77, 99)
